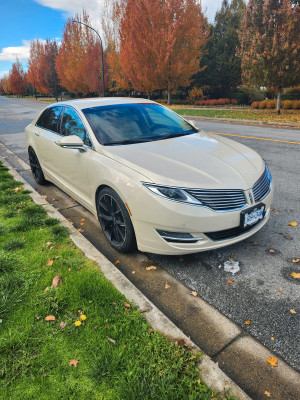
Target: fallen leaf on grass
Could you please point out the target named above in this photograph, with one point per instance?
(152, 267)
(267, 393)
(229, 282)
(295, 275)
(292, 311)
(56, 281)
(17, 189)
(111, 340)
(296, 260)
(273, 361)
(62, 325)
(127, 305)
(248, 322)
(193, 293)
(293, 224)
(46, 289)
(48, 244)
(73, 362)
(167, 286)
(49, 263)
(69, 269)
(50, 318)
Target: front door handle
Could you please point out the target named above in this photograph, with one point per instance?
(36, 134)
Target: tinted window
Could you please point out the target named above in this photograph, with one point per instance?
(134, 123)
(50, 119)
(71, 124)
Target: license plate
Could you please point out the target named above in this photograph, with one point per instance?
(252, 215)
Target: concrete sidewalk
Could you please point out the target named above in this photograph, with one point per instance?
(236, 352)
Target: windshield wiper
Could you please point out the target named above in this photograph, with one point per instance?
(127, 141)
(173, 135)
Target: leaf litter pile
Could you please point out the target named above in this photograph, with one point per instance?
(65, 331)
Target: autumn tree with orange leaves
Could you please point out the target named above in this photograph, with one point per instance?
(41, 65)
(161, 42)
(78, 62)
(17, 81)
(270, 47)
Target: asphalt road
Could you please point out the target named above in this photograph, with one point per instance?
(263, 291)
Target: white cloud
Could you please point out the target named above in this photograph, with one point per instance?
(12, 53)
(211, 7)
(2, 73)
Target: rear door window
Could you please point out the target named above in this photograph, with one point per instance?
(50, 119)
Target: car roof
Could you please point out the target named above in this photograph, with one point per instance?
(103, 101)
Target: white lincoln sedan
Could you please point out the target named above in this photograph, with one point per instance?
(151, 178)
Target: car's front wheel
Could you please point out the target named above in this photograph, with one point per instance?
(115, 220)
(36, 168)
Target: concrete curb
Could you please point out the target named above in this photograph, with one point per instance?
(212, 375)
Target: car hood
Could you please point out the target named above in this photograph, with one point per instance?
(198, 160)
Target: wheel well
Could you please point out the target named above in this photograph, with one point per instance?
(98, 191)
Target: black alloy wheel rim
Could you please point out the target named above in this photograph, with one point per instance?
(34, 165)
(112, 220)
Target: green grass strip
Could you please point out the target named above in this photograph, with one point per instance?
(119, 355)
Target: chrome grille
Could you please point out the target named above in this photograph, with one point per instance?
(262, 187)
(219, 199)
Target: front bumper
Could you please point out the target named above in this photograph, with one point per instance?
(150, 214)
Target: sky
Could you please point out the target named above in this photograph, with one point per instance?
(25, 20)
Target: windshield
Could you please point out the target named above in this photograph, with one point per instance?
(135, 123)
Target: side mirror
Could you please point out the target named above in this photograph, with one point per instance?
(72, 142)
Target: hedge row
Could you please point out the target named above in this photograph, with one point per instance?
(285, 104)
(215, 102)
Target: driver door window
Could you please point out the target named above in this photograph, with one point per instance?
(71, 124)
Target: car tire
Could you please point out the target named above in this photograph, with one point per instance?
(36, 168)
(115, 220)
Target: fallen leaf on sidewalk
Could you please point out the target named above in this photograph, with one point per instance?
(272, 338)
(49, 263)
(193, 293)
(127, 305)
(281, 288)
(80, 230)
(50, 318)
(167, 286)
(288, 237)
(117, 262)
(81, 223)
(292, 311)
(255, 242)
(267, 393)
(273, 361)
(295, 275)
(248, 322)
(56, 281)
(229, 282)
(151, 268)
(296, 260)
(62, 325)
(272, 250)
(73, 362)
(293, 224)
(82, 219)
(55, 200)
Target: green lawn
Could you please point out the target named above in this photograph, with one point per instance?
(119, 356)
(291, 116)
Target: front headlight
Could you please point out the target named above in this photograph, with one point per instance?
(172, 193)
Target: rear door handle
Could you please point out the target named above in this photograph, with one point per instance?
(36, 134)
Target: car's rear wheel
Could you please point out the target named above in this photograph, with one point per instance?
(35, 166)
(115, 220)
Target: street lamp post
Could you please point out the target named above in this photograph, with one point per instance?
(54, 73)
(79, 22)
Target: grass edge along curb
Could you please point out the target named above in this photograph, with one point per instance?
(211, 374)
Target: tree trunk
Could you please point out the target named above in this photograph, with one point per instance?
(149, 95)
(279, 100)
(169, 98)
